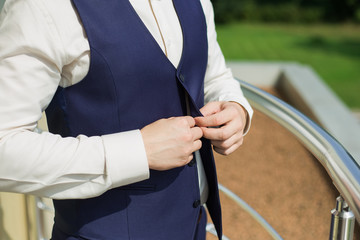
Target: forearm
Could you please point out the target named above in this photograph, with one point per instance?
(49, 165)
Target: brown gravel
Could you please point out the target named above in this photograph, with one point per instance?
(281, 180)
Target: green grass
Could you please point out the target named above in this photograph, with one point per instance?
(333, 51)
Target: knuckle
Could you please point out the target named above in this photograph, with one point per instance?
(199, 132)
(221, 135)
(186, 151)
(217, 121)
(225, 134)
(228, 133)
(183, 121)
(227, 151)
(182, 160)
(189, 151)
(183, 137)
(225, 145)
(186, 159)
(187, 137)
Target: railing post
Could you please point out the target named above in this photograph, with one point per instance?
(342, 221)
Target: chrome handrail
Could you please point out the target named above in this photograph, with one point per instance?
(250, 211)
(210, 228)
(339, 164)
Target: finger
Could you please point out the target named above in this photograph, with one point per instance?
(197, 145)
(196, 132)
(210, 108)
(190, 121)
(233, 126)
(223, 133)
(228, 150)
(191, 156)
(214, 120)
(235, 139)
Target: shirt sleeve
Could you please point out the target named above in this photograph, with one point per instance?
(32, 59)
(219, 83)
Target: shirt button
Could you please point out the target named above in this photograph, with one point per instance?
(182, 78)
(192, 163)
(196, 203)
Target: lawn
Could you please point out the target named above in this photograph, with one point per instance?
(333, 51)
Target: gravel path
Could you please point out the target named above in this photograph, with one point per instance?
(281, 180)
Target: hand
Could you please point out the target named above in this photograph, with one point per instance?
(223, 123)
(170, 143)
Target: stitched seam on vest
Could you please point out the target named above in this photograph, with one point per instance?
(127, 213)
(112, 77)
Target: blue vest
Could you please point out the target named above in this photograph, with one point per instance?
(130, 84)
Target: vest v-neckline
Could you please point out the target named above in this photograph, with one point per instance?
(148, 33)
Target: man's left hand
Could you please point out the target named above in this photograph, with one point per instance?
(223, 123)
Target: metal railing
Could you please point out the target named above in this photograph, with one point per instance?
(246, 207)
(339, 164)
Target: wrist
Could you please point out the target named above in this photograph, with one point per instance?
(244, 116)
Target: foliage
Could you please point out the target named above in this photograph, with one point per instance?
(333, 51)
(287, 10)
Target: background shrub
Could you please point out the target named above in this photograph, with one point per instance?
(304, 11)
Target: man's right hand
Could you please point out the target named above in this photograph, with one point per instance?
(170, 143)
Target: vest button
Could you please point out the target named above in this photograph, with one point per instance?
(182, 78)
(196, 203)
(192, 162)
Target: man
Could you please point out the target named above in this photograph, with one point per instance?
(123, 84)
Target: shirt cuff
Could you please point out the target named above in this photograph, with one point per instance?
(125, 158)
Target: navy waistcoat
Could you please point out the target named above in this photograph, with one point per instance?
(130, 84)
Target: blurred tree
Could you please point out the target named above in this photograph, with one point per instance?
(343, 10)
(335, 10)
(227, 10)
(287, 10)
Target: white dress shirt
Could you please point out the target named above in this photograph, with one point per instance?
(42, 46)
